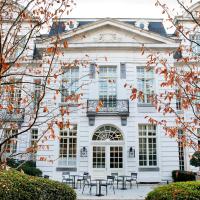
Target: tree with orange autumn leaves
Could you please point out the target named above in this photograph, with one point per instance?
(181, 80)
(27, 75)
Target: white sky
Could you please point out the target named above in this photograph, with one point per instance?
(122, 8)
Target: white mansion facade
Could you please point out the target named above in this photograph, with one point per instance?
(116, 137)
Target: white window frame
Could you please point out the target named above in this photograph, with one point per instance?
(65, 160)
(70, 79)
(109, 94)
(194, 46)
(12, 142)
(33, 141)
(145, 76)
(147, 137)
(181, 149)
(37, 91)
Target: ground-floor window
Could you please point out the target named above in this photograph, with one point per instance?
(68, 146)
(11, 145)
(34, 141)
(181, 150)
(147, 145)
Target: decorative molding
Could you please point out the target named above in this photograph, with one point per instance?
(107, 37)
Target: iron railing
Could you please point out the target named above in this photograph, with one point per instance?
(108, 107)
(16, 115)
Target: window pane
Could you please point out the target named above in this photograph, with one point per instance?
(147, 145)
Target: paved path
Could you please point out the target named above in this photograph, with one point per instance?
(129, 194)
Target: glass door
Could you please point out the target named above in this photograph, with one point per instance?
(106, 160)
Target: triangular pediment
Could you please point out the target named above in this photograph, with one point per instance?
(194, 9)
(111, 31)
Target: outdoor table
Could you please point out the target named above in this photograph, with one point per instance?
(74, 179)
(99, 180)
(124, 182)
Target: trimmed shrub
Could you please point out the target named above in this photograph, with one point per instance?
(17, 186)
(176, 191)
(195, 160)
(28, 167)
(179, 176)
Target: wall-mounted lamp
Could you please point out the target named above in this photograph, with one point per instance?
(83, 152)
(131, 152)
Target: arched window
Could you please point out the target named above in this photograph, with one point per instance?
(107, 133)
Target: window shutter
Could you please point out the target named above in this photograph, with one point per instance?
(92, 71)
(122, 70)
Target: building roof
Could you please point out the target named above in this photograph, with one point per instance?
(60, 27)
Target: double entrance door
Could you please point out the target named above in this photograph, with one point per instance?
(107, 159)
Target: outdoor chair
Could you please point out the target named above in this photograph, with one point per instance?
(46, 176)
(66, 178)
(133, 178)
(87, 182)
(117, 179)
(109, 182)
(80, 178)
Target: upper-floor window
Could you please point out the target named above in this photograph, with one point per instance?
(122, 70)
(178, 101)
(19, 44)
(108, 85)
(37, 92)
(13, 93)
(68, 146)
(70, 83)
(92, 70)
(145, 83)
(147, 145)
(195, 44)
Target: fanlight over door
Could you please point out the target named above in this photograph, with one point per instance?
(107, 151)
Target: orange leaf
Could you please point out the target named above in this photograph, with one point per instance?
(65, 44)
(45, 109)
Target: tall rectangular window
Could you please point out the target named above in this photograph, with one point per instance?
(178, 101)
(145, 83)
(196, 44)
(70, 83)
(14, 93)
(108, 86)
(181, 151)
(68, 146)
(147, 145)
(122, 70)
(37, 91)
(11, 145)
(92, 70)
(34, 140)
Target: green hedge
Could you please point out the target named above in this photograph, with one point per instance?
(179, 176)
(17, 186)
(28, 167)
(176, 191)
(195, 160)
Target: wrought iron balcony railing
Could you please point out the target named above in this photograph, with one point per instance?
(109, 107)
(16, 115)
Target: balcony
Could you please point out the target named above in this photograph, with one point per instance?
(108, 108)
(17, 115)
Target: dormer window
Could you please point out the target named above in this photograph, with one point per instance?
(142, 25)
